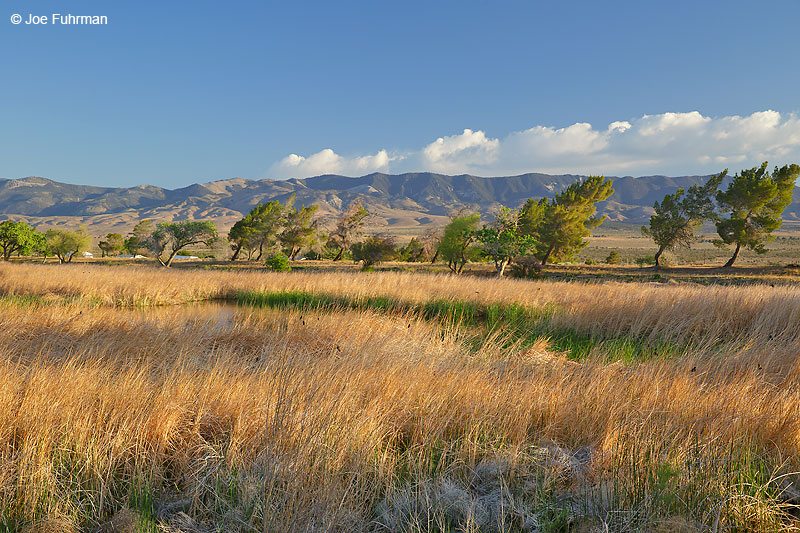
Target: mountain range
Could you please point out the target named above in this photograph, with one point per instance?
(403, 202)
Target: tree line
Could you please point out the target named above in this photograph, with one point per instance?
(163, 241)
(745, 214)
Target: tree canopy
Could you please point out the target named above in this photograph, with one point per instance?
(138, 240)
(66, 244)
(678, 216)
(113, 244)
(258, 230)
(752, 205)
(503, 241)
(298, 231)
(560, 225)
(169, 238)
(18, 238)
(456, 246)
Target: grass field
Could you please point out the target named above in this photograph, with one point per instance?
(188, 400)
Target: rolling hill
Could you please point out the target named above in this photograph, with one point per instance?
(404, 202)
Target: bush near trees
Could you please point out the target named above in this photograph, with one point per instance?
(278, 263)
(613, 258)
(411, 252)
(456, 246)
(169, 238)
(374, 250)
(66, 244)
(19, 238)
(645, 261)
(751, 207)
(678, 216)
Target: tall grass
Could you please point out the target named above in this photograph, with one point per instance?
(750, 323)
(358, 420)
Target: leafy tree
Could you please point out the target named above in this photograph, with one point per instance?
(19, 238)
(531, 216)
(411, 252)
(66, 244)
(113, 245)
(566, 220)
(137, 242)
(257, 230)
(679, 215)
(503, 241)
(457, 240)
(753, 204)
(374, 250)
(298, 230)
(169, 238)
(348, 229)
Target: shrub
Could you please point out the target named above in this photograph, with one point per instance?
(278, 263)
(374, 250)
(526, 267)
(644, 261)
(613, 258)
(590, 262)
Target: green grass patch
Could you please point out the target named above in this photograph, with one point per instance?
(517, 322)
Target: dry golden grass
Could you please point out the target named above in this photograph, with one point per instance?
(258, 420)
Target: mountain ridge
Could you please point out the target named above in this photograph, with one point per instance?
(399, 200)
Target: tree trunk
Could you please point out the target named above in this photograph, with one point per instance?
(502, 268)
(171, 257)
(435, 257)
(295, 252)
(658, 257)
(236, 253)
(339, 255)
(547, 255)
(734, 256)
(260, 251)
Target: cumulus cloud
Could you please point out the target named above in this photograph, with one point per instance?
(667, 143)
(453, 153)
(329, 162)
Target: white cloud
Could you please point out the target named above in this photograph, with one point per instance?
(451, 154)
(329, 162)
(667, 143)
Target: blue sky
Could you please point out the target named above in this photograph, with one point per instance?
(172, 93)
